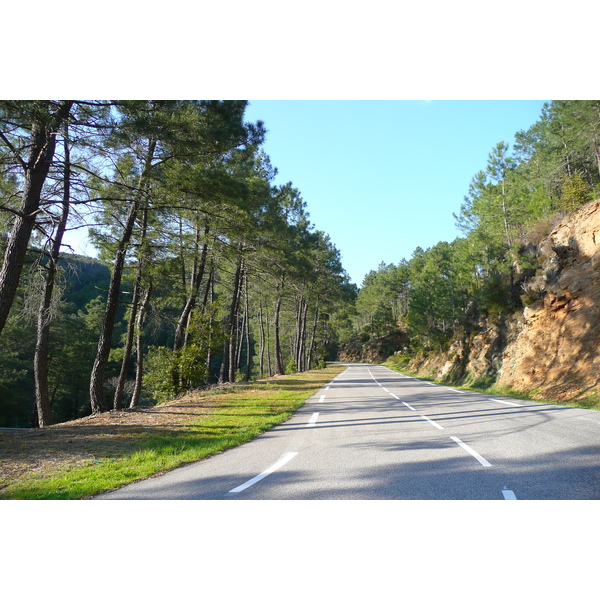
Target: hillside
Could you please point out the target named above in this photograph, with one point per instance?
(556, 350)
(548, 349)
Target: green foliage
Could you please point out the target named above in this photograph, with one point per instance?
(575, 192)
(170, 373)
(437, 294)
(291, 367)
(383, 300)
(16, 402)
(72, 347)
(84, 277)
(160, 365)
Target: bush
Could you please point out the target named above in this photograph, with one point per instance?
(575, 192)
(169, 373)
(158, 378)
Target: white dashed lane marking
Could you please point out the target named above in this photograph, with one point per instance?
(470, 450)
(284, 459)
(313, 420)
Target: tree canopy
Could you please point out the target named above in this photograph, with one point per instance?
(207, 271)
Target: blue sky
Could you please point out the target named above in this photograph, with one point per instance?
(382, 177)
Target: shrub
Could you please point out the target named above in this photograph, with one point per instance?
(575, 192)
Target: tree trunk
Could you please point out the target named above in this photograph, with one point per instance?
(228, 363)
(139, 372)
(43, 144)
(120, 389)
(261, 332)
(248, 349)
(209, 289)
(131, 326)
(313, 337)
(209, 286)
(300, 337)
(40, 360)
(268, 342)
(240, 328)
(197, 276)
(302, 346)
(97, 400)
(235, 323)
(183, 274)
(279, 368)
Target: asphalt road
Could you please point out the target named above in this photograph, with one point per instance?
(373, 433)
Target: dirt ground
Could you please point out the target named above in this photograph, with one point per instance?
(106, 435)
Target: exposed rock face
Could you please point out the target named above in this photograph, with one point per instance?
(557, 352)
(472, 358)
(552, 348)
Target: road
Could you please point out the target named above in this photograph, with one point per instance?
(373, 433)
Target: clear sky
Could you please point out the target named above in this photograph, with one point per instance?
(382, 177)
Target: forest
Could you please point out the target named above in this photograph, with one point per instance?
(512, 203)
(207, 271)
(210, 273)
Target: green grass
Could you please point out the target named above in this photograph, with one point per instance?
(235, 417)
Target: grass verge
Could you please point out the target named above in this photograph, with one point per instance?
(232, 418)
(589, 401)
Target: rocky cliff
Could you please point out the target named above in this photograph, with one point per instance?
(550, 349)
(557, 351)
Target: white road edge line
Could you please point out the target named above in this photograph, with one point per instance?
(284, 459)
(509, 495)
(327, 388)
(459, 391)
(470, 450)
(388, 391)
(322, 398)
(505, 402)
(430, 421)
(313, 420)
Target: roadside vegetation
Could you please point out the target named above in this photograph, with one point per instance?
(400, 365)
(230, 416)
